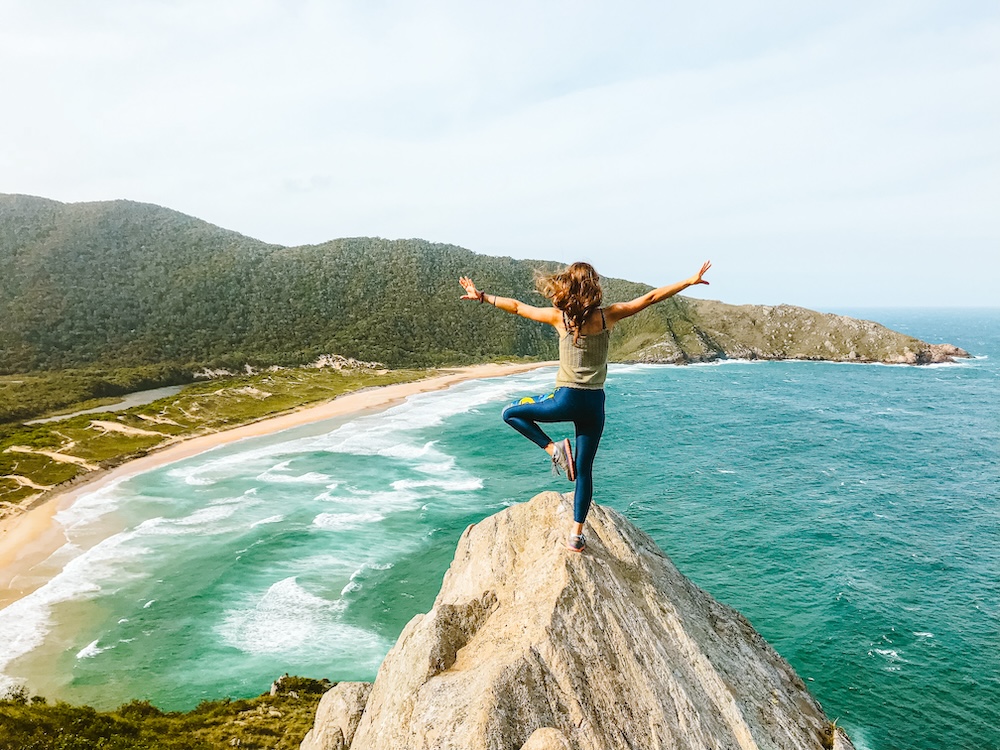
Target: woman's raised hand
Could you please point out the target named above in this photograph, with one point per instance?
(696, 279)
(470, 288)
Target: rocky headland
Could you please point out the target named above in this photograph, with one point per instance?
(706, 330)
(531, 647)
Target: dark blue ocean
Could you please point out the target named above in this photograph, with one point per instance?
(851, 512)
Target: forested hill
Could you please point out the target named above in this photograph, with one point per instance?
(123, 284)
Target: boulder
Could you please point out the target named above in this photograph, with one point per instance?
(337, 717)
(546, 738)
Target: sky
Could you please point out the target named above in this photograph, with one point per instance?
(825, 154)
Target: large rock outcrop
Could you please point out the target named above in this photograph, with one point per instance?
(705, 330)
(531, 647)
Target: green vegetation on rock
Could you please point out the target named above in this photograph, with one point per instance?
(277, 720)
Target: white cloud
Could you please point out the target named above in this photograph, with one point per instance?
(772, 138)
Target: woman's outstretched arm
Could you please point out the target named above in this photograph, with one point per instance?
(542, 314)
(622, 310)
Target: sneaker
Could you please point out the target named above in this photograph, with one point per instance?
(576, 543)
(562, 459)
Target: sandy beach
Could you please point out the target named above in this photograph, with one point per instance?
(29, 538)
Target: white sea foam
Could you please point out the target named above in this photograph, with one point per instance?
(450, 485)
(287, 620)
(406, 452)
(276, 475)
(205, 516)
(924, 634)
(378, 500)
(956, 363)
(244, 500)
(384, 434)
(149, 604)
(436, 468)
(269, 519)
(90, 506)
(634, 369)
(247, 549)
(353, 585)
(724, 362)
(204, 521)
(341, 521)
(25, 623)
(858, 738)
(892, 658)
(333, 564)
(205, 467)
(92, 650)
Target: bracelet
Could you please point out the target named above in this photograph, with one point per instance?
(482, 296)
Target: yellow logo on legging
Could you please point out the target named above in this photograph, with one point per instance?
(533, 399)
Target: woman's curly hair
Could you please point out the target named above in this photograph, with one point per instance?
(576, 292)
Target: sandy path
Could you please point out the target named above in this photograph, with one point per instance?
(124, 429)
(158, 420)
(30, 537)
(25, 482)
(60, 457)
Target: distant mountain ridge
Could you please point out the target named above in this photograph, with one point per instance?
(127, 284)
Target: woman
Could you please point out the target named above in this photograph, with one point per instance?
(584, 328)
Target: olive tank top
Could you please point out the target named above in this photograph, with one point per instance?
(584, 365)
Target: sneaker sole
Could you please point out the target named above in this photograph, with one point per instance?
(571, 462)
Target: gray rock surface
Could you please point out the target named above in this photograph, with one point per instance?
(337, 717)
(530, 647)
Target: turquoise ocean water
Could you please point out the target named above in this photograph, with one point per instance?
(851, 512)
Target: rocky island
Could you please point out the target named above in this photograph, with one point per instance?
(529, 647)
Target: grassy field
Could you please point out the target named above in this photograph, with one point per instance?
(36, 458)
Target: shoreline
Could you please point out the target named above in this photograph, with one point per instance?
(30, 537)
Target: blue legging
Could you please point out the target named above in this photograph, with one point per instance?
(585, 409)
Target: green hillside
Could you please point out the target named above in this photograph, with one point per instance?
(124, 285)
